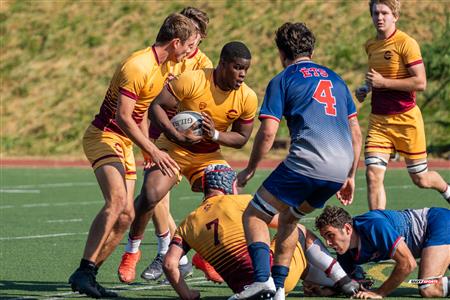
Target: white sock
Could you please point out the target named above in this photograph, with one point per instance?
(319, 256)
(446, 194)
(445, 286)
(184, 260)
(133, 245)
(163, 242)
(317, 276)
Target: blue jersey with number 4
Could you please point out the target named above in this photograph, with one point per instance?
(317, 105)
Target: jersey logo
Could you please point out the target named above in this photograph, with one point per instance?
(202, 105)
(388, 55)
(316, 72)
(232, 114)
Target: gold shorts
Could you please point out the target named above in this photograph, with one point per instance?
(191, 164)
(296, 268)
(103, 147)
(402, 132)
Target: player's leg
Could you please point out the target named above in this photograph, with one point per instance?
(434, 262)
(111, 178)
(425, 179)
(435, 256)
(378, 148)
(376, 164)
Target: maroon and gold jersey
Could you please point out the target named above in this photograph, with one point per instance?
(216, 232)
(196, 61)
(139, 77)
(391, 58)
(197, 91)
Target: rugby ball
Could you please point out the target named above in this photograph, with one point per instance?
(188, 119)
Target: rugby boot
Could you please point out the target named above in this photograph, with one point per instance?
(210, 273)
(257, 291)
(154, 270)
(127, 267)
(348, 286)
(83, 281)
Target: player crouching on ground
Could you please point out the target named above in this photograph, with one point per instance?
(398, 235)
(216, 232)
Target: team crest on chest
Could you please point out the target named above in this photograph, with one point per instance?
(388, 55)
(232, 114)
(202, 106)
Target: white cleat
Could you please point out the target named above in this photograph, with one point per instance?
(280, 294)
(257, 291)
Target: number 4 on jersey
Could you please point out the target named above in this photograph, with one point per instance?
(324, 95)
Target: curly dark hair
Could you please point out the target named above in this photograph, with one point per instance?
(199, 17)
(295, 40)
(233, 50)
(333, 216)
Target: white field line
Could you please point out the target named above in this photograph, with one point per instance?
(118, 288)
(19, 191)
(64, 221)
(50, 185)
(51, 204)
(43, 236)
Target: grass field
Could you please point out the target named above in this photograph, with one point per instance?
(45, 215)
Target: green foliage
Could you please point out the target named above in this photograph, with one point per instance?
(57, 57)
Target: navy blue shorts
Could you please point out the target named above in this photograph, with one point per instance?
(438, 229)
(293, 188)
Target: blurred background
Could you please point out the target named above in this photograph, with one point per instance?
(57, 58)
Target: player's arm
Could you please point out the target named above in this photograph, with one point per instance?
(125, 108)
(170, 266)
(164, 102)
(144, 126)
(345, 194)
(416, 82)
(263, 143)
(236, 138)
(405, 264)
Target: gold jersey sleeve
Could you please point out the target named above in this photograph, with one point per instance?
(139, 77)
(391, 58)
(197, 91)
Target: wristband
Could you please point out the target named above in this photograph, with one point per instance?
(215, 136)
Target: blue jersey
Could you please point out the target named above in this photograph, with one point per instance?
(316, 104)
(380, 232)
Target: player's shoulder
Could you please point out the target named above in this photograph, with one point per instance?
(401, 37)
(247, 91)
(144, 60)
(195, 75)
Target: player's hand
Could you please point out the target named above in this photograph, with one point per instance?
(165, 163)
(345, 194)
(361, 93)
(192, 295)
(188, 137)
(147, 160)
(367, 295)
(208, 126)
(244, 176)
(375, 79)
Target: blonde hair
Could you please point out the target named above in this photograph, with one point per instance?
(394, 5)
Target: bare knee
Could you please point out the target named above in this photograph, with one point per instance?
(115, 205)
(374, 176)
(432, 291)
(126, 218)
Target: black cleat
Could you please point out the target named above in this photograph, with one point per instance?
(83, 281)
(104, 292)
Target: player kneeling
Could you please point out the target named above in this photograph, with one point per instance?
(216, 232)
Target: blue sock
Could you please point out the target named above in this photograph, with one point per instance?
(279, 274)
(260, 255)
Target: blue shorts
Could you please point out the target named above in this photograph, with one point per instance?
(293, 188)
(438, 229)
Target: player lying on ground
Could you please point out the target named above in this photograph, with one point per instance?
(216, 232)
(389, 234)
(225, 101)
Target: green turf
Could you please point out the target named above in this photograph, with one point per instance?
(46, 213)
